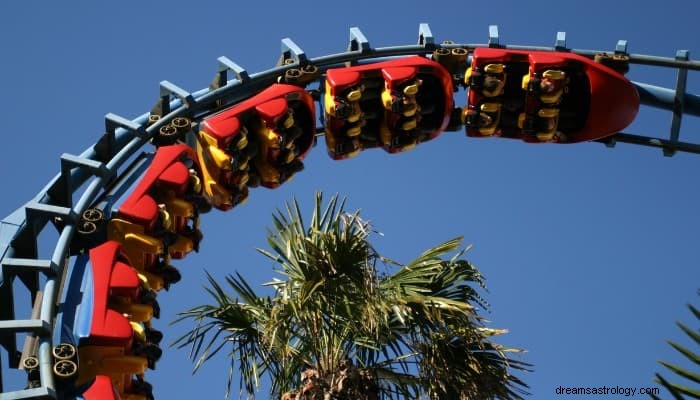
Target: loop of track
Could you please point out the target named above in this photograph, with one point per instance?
(125, 137)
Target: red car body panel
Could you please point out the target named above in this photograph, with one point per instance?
(109, 327)
(225, 126)
(101, 389)
(607, 101)
(391, 74)
(269, 106)
(165, 170)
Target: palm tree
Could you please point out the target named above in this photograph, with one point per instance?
(347, 323)
(681, 391)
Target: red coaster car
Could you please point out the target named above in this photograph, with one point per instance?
(393, 104)
(159, 219)
(108, 320)
(260, 141)
(545, 97)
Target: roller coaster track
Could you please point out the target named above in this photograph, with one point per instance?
(103, 162)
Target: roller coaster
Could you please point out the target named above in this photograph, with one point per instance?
(130, 204)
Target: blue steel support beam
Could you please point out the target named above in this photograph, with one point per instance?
(358, 45)
(621, 47)
(493, 36)
(425, 37)
(7, 312)
(169, 88)
(113, 122)
(16, 265)
(41, 393)
(291, 53)
(664, 98)
(225, 65)
(647, 141)
(358, 41)
(678, 102)
(560, 43)
(96, 168)
(26, 325)
(106, 147)
(69, 162)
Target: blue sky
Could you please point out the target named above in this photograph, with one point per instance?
(590, 253)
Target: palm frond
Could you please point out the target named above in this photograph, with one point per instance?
(681, 391)
(412, 331)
